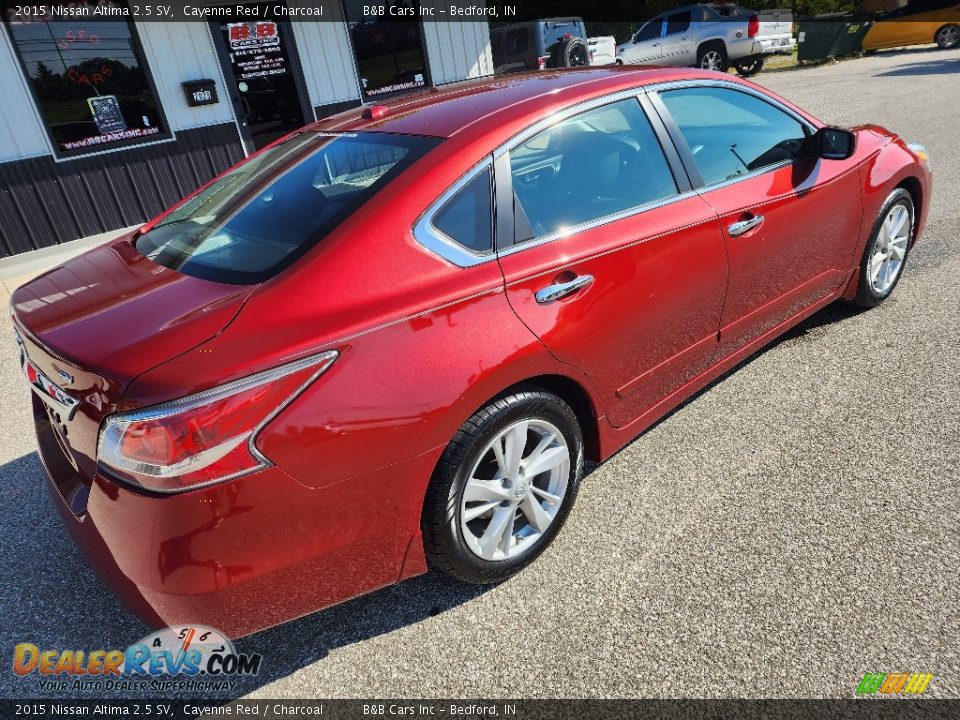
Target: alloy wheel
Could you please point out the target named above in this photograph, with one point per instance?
(711, 60)
(949, 37)
(890, 249)
(515, 490)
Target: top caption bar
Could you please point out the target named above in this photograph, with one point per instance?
(299, 10)
(352, 11)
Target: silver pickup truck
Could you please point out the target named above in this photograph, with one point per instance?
(712, 37)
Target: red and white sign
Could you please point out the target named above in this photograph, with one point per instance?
(247, 35)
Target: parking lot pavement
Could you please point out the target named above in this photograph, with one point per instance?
(791, 528)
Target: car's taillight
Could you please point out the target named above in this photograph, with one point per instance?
(753, 26)
(542, 62)
(203, 438)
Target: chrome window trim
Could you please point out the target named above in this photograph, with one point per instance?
(438, 242)
(565, 114)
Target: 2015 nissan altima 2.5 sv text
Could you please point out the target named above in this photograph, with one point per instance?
(388, 341)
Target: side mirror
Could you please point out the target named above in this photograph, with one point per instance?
(835, 144)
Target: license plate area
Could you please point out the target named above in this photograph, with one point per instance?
(58, 460)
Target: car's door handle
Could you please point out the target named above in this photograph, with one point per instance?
(744, 226)
(561, 290)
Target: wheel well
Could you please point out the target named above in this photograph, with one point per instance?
(712, 43)
(945, 25)
(912, 186)
(574, 395)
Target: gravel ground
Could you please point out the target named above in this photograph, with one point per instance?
(791, 528)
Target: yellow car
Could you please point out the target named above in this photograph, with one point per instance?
(917, 23)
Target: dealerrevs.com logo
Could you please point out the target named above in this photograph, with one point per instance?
(185, 657)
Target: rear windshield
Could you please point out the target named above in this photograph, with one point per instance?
(257, 219)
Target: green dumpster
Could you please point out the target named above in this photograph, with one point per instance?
(817, 35)
(849, 39)
(833, 35)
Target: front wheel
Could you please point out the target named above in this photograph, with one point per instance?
(887, 249)
(948, 37)
(750, 67)
(503, 487)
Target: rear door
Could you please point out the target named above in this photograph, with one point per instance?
(616, 265)
(677, 47)
(790, 218)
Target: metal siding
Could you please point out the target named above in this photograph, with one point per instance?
(326, 56)
(43, 202)
(23, 135)
(180, 51)
(457, 50)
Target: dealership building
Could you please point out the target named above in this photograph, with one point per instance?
(108, 120)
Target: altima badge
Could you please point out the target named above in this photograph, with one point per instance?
(67, 377)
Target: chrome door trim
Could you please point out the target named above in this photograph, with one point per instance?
(430, 237)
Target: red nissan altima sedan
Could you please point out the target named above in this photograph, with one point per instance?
(388, 341)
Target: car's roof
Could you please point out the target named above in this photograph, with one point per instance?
(490, 102)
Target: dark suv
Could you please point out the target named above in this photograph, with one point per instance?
(539, 44)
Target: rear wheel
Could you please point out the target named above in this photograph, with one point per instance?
(503, 487)
(713, 56)
(887, 249)
(948, 37)
(749, 67)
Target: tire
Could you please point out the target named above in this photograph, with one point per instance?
(571, 52)
(750, 67)
(453, 541)
(873, 291)
(713, 56)
(948, 37)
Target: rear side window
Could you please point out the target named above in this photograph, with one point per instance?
(679, 22)
(467, 217)
(587, 167)
(732, 133)
(257, 219)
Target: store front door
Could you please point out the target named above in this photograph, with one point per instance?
(263, 76)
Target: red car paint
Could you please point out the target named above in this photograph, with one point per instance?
(423, 344)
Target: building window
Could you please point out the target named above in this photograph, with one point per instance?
(89, 79)
(388, 47)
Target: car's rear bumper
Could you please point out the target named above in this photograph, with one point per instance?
(243, 555)
(775, 46)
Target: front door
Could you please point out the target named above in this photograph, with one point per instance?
(788, 216)
(613, 269)
(259, 61)
(645, 46)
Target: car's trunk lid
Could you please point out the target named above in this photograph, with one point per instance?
(95, 323)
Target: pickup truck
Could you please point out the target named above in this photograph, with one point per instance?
(711, 36)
